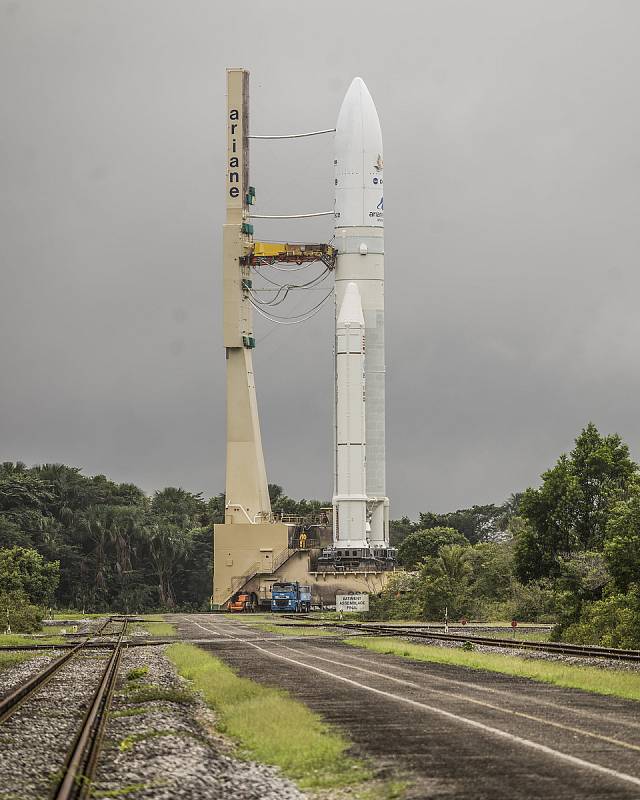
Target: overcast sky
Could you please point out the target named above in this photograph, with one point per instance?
(512, 154)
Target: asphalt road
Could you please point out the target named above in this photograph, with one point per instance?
(455, 732)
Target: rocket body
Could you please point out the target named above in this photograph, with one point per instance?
(350, 498)
(359, 239)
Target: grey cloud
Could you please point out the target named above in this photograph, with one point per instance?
(512, 150)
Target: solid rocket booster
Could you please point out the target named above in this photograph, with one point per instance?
(359, 239)
(350, 498)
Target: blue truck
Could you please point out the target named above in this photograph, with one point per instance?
(290, 596)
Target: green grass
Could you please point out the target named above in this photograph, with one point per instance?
(125, 790)
(55, 630)
(269, 725)
(289, 630)
(157, 626)
(12, 639)
(149, 692)
(137, 673)
(10, 659)
(521, 633)
(589, 679)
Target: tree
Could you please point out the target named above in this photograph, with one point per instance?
(25, 571)
(444, 583)
(168, 544)
(569, 512)
(622, 542)
(477, 523)
(603, 471)
(492, 569)
(423, 543)
(613, 621)
(399, 529)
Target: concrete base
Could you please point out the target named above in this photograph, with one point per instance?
(242, 550)
(324, 585)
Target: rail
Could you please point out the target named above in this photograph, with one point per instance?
(10, 702)
(563, 648)
(79, 767)
(82, 758)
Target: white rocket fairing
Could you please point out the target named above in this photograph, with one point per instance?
(359, 239)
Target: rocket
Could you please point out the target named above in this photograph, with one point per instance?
(359, 280)
(350, 498)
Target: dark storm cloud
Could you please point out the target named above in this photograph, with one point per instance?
(512, 150)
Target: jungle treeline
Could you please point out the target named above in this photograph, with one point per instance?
(566, 552)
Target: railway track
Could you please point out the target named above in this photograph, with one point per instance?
(561, 648)
(73, 780)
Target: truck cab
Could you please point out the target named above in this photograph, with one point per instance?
(290, 596)
(241, 603)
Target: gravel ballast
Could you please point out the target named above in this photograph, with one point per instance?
(35, 739)
(535, 655)
(160, 742)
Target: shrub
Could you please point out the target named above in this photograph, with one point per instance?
(21, 615)
(613, 621)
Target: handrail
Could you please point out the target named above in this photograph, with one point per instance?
(284, 555)
(253, 569)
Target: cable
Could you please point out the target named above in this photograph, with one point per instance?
(293, 269)
(294, 135)
(276, 299)
(294, 285)
(291, 216)
(290, 320)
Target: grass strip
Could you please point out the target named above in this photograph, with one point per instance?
(11, 659)
(590, 679)
(13, 639)
(157, 626)
(270, 726)
(289, 630)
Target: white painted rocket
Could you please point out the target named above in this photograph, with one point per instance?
(350, 498)
(359, 239)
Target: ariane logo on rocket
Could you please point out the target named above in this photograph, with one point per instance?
(379, 212)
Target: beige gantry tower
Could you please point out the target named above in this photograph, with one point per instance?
(248, 529)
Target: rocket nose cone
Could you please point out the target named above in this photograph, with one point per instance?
(358, 115)
(358, 161)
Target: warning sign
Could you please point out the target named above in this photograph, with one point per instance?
(352, 602)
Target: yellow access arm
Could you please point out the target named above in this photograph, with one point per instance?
(270, 252)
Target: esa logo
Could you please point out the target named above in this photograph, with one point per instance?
(377, 181)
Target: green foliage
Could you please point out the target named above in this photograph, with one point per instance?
(476, 524)
(613, 621)
(536, 601)
(25, 571)
(569, 512)
(492, 568)
(118, 549)
(18, 613)
(399, 599)
(281, 504)
(417, 546)
(622, 543)
(444, 583)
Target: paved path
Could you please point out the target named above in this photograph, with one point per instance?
(459, 733)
